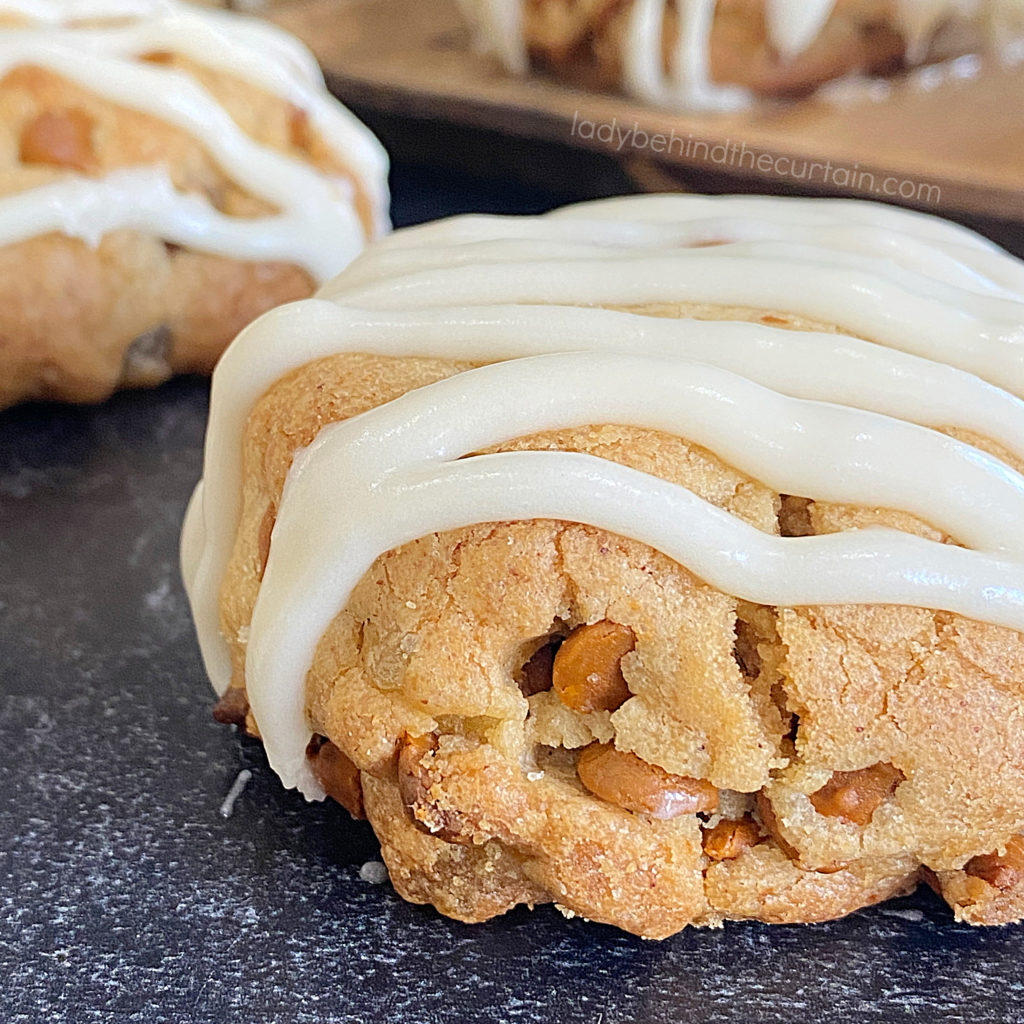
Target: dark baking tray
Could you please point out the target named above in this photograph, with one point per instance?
(126, 896)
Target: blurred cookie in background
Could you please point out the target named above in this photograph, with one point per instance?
(724, 54)
(167, 173)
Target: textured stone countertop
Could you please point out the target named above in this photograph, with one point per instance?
(125, 895)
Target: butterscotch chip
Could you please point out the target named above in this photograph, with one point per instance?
(770, 823)
(59, 138)
(855, 796)
(232, 708)
(338, 775)
(536, 675)
(413, 777)
(416, 779)
(587, 671)
(622, 778)
(300, 132)
(730, 837)
(1003, 871)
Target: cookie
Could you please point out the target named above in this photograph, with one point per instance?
(658, 557)
(167, 173)
(720, 54)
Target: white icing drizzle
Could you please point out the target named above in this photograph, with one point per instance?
(957, 263)
(824, 415)
(499, 25)
(982, 334)
(688, 83)
(317, 226)
(792, 27)
(920, 19)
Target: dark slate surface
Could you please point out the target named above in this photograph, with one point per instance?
(126, 896)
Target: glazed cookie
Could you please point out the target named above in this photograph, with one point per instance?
(720, 54)
(167, 173)
(658, 557)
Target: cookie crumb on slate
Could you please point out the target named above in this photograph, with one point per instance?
(374, 872)
(241, 781)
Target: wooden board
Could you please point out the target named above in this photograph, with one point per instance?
(958, 147)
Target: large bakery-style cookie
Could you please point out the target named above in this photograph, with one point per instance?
(167, 173)
(720, 54)
(658, 557)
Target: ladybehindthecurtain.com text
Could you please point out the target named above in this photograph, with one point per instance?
(738, 156)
